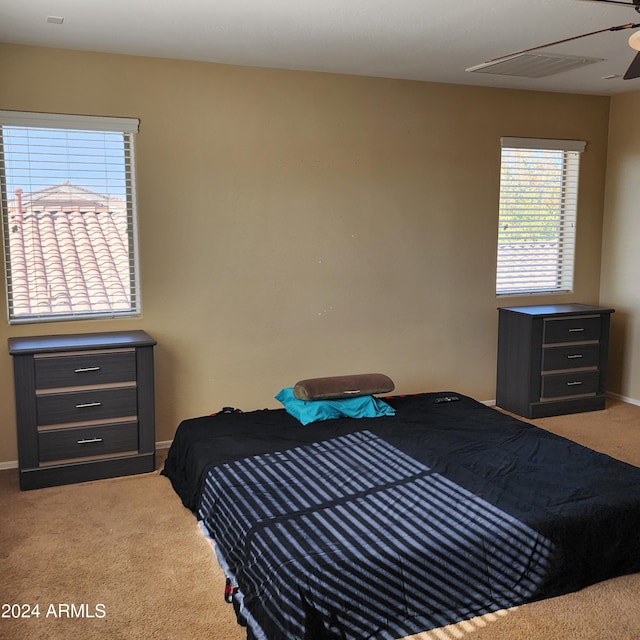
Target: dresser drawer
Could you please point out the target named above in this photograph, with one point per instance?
(86, 369)
(62, 444)
(570, 357)
(82, 406)
(570, 384)
(571, 329)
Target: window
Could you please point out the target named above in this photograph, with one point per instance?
(537, 222)
(67, 193)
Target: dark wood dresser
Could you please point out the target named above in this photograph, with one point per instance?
(84, 406)
(552, 359)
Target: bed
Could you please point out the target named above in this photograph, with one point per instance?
(387, 526)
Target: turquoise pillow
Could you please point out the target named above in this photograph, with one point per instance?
(308, 411)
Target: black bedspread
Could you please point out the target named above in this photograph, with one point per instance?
(574, 513)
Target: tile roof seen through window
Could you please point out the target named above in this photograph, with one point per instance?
(69, 251)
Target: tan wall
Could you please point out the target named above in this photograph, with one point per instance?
(621, 241)
(301, 224)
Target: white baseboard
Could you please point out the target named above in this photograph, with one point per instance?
(617, 396)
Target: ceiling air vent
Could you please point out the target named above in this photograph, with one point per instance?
(533, 65)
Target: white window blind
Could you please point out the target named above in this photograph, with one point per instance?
(537, 217)
(67, 189)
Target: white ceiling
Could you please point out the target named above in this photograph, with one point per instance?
(432, 40)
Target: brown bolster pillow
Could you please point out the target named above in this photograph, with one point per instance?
(360, 384)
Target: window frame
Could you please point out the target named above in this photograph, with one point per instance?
(552, 275)
(72, 124)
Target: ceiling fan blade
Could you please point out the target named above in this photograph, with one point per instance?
(630, 3)
(634, 70)
(620, 27)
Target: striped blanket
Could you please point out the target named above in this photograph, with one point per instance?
(351, 538)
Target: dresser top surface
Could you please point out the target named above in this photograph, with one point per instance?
(557, 309)
(79, 341)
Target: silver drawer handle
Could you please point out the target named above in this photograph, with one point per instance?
(577, 330)
(573, 384)
(85, 369)
(573, 357)
(88, 404)
(89, 440)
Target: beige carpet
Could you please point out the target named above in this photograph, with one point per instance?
(127, 544)
(122, 559)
